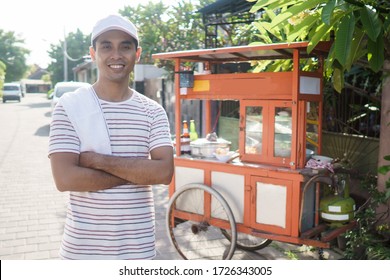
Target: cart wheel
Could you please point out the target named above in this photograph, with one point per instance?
(194, 235)
(248, 242)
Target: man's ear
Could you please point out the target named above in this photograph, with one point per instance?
(92, 53)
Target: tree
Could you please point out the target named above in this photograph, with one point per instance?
(77, 46)
(2, 73)
(167, 28)
(13, 55)
(361, 31)
(151, 26)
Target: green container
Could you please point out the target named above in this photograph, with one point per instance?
(337, 209)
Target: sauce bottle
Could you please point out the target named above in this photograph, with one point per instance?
(185, 140)
(193, 133)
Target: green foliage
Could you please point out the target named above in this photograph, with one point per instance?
(344, 36)
(291, 255)
(368, 239)
(378, 252)
(279, 33)
(12, 55)
(151, 26)
(385, 169)
(161, 28)
(371, 22)
(327, 11)
(2, 74)
(293, 10)
(180, 27)
(167, 28)
(77, 47)
(361, 29)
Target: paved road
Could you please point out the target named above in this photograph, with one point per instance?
(32, 211)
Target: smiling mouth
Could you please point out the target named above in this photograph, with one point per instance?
(116, 66)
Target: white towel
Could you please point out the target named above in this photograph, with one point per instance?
(84, 111)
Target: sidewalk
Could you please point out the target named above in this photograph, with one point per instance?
(33, 235)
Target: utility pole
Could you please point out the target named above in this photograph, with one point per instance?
(65, 60)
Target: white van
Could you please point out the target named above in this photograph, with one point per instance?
(12, 91)
(63, 87)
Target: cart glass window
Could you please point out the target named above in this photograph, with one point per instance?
(312, 126)
(283, 132)
(254, 129)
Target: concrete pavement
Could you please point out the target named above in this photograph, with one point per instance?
(32, 211)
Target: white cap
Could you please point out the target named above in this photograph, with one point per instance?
(114, 22)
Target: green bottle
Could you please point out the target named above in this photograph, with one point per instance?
(193, 133)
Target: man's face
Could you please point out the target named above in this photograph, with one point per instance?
(115, 55)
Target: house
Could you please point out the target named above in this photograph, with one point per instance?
(34, 82)
(147, 78)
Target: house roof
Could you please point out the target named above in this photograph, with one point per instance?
(34, 82)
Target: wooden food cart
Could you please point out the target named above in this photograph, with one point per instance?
(264, 196)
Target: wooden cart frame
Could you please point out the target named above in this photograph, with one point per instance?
(264, 194)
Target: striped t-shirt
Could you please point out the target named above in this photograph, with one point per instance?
(116, 223)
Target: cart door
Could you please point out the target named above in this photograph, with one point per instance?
(271, 205)
(266, 132)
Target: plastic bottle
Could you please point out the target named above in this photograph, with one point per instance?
(185, 140)
(193, 133)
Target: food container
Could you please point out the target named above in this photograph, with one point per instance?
(204, 148)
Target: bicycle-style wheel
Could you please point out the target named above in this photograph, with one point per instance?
(196, 214)
(248, 242)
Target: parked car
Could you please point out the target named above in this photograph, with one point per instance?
(12, 91)
(63, 87)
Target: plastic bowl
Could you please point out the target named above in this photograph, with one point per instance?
(309, 154)
(224, 157)
(322, 159)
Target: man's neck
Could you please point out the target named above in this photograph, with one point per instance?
(112, 92)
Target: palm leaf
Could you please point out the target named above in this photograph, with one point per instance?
(283, 3)
(271, 14)
(259, 26)
(272, 4)
(327, 11)
(320, 34)
(295, 10)
(376, 53)
(371, 23)
(356, 49)
(344, 37)
(338, 79)
(386, 24)
(303, 26)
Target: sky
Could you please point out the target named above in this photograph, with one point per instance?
(42, 22)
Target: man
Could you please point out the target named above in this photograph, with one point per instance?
(108, 144)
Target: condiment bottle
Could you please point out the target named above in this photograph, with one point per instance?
(193, 133)
(185, 140)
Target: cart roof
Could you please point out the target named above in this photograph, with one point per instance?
(247, 53)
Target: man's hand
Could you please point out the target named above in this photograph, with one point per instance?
(70, 175)
(89, 160)
(140, 171)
